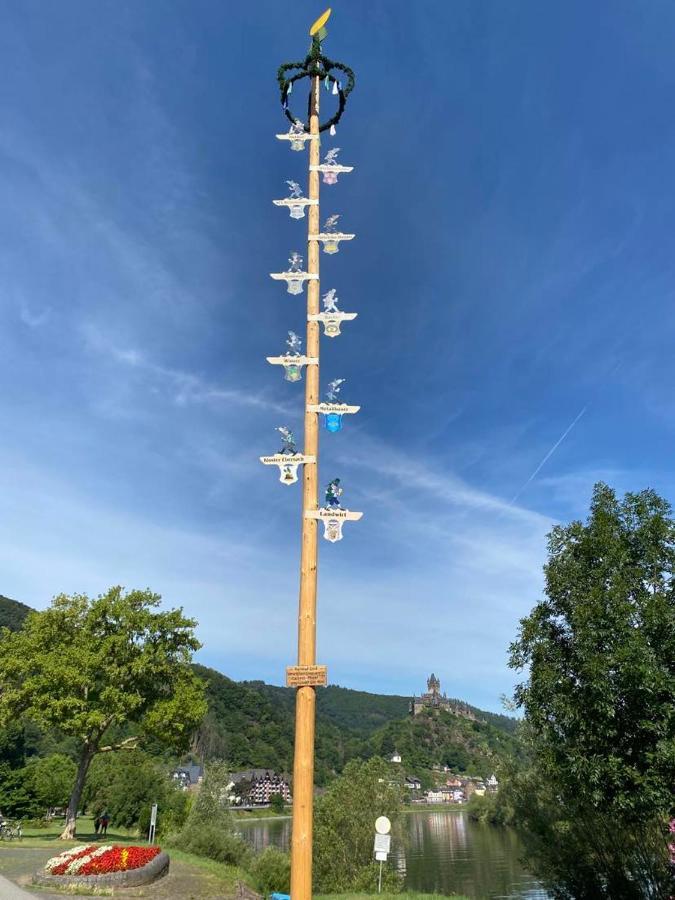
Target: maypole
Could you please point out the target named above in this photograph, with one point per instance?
(306, 676)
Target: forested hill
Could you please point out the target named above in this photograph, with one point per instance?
(12, 613)
(251, 724)
(362, 712)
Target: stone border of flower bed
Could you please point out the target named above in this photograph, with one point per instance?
(156, 868)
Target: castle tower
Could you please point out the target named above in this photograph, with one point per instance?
(433, 685)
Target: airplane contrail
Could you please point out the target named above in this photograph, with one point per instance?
(548, 456)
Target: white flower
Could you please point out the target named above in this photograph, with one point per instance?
(62, 857)
(77, 864)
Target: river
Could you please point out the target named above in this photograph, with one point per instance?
(444, 852)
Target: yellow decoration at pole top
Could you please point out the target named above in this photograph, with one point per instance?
(320, 22)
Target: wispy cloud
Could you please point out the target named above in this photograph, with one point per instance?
(34, 318)
(185, 388)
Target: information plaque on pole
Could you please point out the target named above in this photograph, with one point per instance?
(153, 824)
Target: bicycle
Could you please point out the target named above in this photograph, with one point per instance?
(10, 831)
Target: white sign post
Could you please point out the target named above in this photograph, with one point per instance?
(153, 824)
(382, 846)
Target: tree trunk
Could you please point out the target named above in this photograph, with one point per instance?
(86, 757)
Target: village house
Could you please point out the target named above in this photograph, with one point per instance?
(412, 783)
(396, 757)
(188, 777)
(256, 787)
(434, 796)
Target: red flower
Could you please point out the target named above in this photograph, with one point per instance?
(60, 869)
(119, 859)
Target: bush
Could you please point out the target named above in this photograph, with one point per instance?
(344, 826)
(277, 803)
(209, 807)
(126, 783)
(214, 843)
(271, 871)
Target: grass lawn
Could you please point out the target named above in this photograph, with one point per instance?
(190, 877)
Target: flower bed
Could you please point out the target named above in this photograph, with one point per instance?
(105, 864)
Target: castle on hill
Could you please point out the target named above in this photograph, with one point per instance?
(434, 700)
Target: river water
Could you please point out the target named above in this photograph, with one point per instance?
(443, 852)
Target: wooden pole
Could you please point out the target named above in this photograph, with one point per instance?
(305, 700)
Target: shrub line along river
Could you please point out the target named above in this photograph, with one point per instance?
(442, 852)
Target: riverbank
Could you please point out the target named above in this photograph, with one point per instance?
(258, 815)
(436, 807)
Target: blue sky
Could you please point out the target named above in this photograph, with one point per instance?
(513, 269)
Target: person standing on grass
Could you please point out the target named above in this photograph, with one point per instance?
(105, 821)
(97, 824)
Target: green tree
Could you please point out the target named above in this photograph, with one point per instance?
(211, 805)
(277, 803)
(599, 703)
(100, 668)
(51, 779)
(17, 798)
(126, 784)
(344, 828)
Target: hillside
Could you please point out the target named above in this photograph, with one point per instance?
(364, 713)
(444, 739)
(251, 724)
(12, 613)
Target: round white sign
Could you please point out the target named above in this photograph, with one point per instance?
(382, 825)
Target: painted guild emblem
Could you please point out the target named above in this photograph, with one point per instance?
(332, 409)
(293, 360)
(332, 316)
(333, 514)
(294, 276)
(287, 459)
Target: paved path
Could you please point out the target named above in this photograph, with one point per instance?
(9, 891)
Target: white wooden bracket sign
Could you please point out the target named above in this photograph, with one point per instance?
(288, 464)
(331, 171)
(295, 280)
(339, 408)
(332, 321)
(296, 205)
(333, 520)
(298, 138)
(331, 240)
(293, 363)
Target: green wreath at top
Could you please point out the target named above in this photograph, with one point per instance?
(315, 63)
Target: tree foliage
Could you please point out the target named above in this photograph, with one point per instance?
(126, 783)
(442, 738)
(344, 826)
(92, 667)
(211, 806)
(51, 779)
(599, 703)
